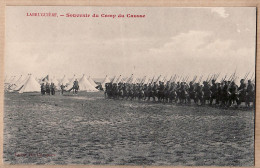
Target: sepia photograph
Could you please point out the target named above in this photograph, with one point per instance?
(159, 86)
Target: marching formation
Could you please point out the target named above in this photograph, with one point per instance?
(224, 93)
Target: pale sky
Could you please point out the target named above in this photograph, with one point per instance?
(190, 41)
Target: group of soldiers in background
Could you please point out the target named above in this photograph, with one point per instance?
(224, 93)
(48, 89)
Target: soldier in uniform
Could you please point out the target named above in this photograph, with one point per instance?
(224, 93)
(178, 92)
(218, 99)
(52, 89)
(250, 93)
(155, 91)
(114, 90)
(75, 86)
(42, 89)
(62, 87)
(206, 92)
(191, 90)
(213, 90)
(241, 91)
(167, 92)
(172, 92)
(161, 91)
(233, 93)
(106, 90)
(141, 94)
(149, 91)
(183, 93)
(198, 94)
(47, 88)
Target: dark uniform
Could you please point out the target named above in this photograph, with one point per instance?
(191, 90)
(250, 92)
(214, 91)
(241, 91)
(224, 93)
(62, 87)
(198, 94)
(42, 89)
(206, 92)
(52, 89)
(47, 89)
(75, 86)
(233, 93)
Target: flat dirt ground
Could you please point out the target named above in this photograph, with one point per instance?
(88, 129)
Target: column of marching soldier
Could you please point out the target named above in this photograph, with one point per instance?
(224, 93)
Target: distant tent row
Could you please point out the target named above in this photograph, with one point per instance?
(31, 84)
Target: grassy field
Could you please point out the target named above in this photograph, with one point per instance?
(88, 129)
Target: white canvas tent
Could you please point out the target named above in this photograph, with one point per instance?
(10, 83)
(64, 81)
(7, 78)
(85, 85)
(71, 83)
(113, 80)
(17, 82)
(124, 80)
(119, 79)
(20, 84)
(31, 85)
(55, 81)
(92, 82)
(106, 80)
(11, 80)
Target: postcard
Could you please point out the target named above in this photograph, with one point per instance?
(163, 86)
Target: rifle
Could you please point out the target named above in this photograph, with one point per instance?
(158, 78)
(212, 76)
(235, 78)
(200, 79)
(164, 79)
(252, 76)
(170, 79)
(187, 79)
(179, 78)
(152, 80)
(207, 78)
(143, 79)
(174, 78)
(112, 81)
(232, 76)
(183, 79)
(194, 79)
(224, 78)
(246, 75)
(217, 76)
